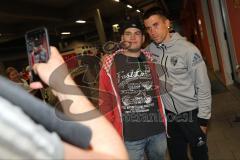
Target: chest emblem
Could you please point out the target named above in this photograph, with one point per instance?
(174, 60)
(196, 59)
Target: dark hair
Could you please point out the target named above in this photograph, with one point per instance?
(155, 11)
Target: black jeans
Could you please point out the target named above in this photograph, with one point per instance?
(184, 130)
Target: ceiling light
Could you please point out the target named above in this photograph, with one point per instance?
(138, 10)
(66, 33)
(129, 6)
(116, 0)
(115, 25)
(199, 21)
(80, 21)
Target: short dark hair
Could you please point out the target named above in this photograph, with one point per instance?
(155, 11)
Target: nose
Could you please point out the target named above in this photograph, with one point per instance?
(132, 36)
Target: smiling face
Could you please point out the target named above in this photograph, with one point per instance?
(134, 37)
(157, 28)
(14, 75)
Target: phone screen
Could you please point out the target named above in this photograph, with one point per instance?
(38, 50)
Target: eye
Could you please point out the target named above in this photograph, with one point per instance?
(147, 28)
(156, 25)
(138, 33)
(127, 34)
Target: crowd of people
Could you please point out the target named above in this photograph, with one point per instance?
(150, 100)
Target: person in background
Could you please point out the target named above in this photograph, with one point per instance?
(129, 96)
(187, 90)
(14, 76)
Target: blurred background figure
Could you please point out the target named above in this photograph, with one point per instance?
(14, 76)
(24, 74)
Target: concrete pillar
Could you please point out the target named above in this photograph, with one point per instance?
(99, 25)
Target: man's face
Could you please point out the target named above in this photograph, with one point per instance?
(134, 37)
(157, 28)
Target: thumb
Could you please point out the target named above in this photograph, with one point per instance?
(36, 85)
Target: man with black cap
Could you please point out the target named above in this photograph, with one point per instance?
(129, 96)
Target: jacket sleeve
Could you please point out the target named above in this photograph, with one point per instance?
(198, 71)
(106, 98)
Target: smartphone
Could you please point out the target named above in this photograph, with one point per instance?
(38, 50)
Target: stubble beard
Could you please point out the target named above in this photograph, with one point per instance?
(133, 50)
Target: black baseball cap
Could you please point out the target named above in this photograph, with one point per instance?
(131, 23)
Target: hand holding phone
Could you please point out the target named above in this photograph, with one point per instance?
(38, 50)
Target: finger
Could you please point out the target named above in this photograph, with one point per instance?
(35, 68)
(36, 85)
(54, 52)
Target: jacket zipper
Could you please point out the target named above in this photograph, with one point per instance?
(165, 75)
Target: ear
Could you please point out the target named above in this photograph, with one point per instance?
(143, 38)
(167, 23)
(121, 38)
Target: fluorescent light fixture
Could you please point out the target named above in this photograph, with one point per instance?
(80, 21)
(138, 10)
(129, 6)
(115, 25)
(116, 0)
(66, 33)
